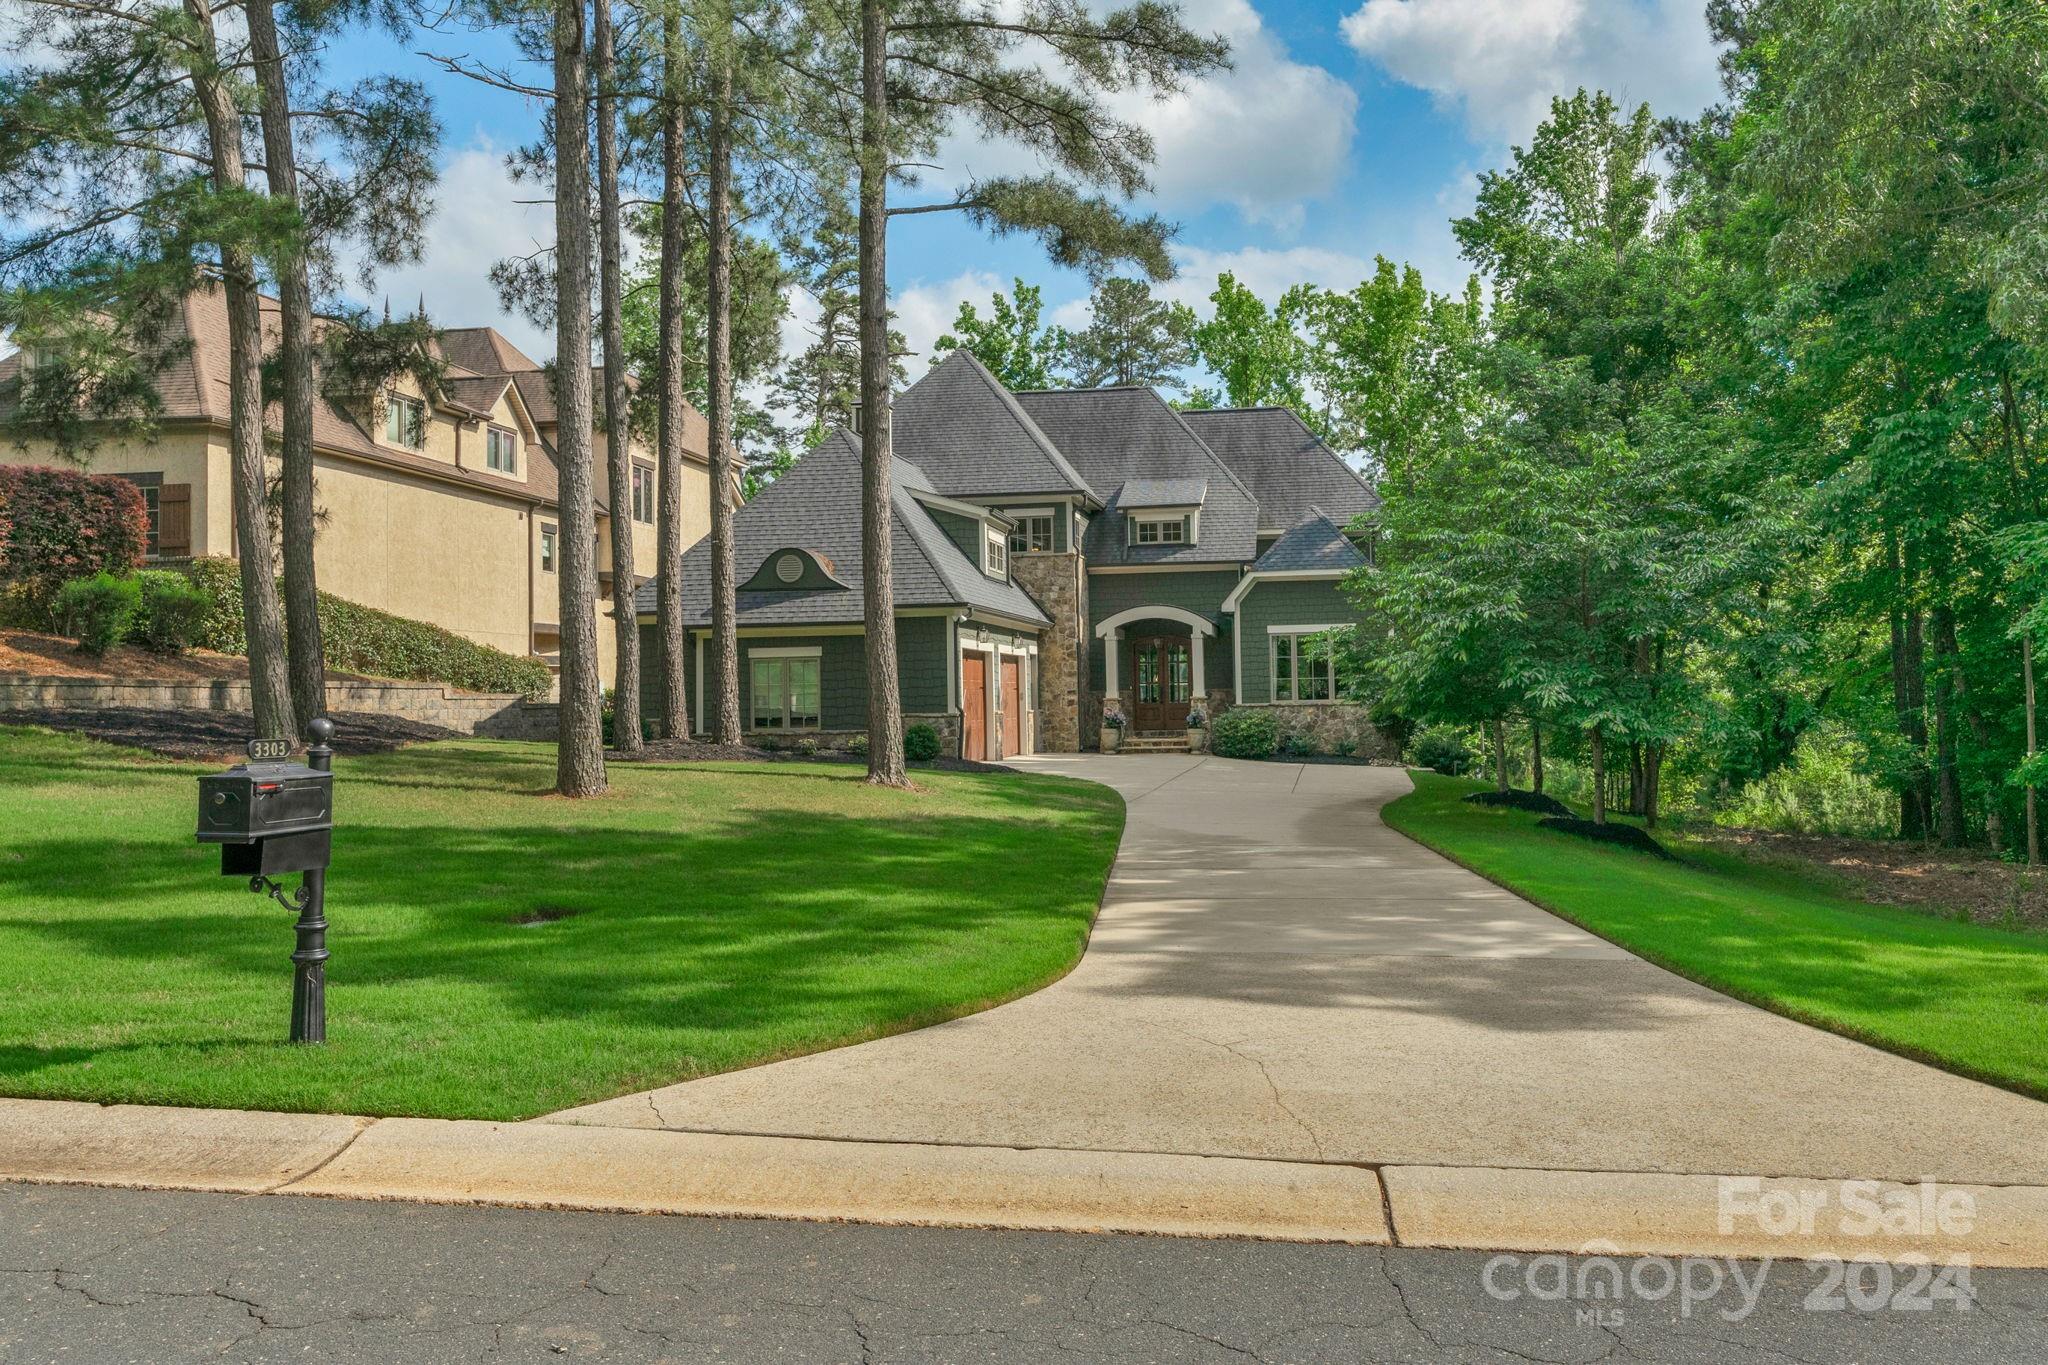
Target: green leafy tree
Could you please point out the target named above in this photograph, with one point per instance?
(1251, 349)
(1010, 341)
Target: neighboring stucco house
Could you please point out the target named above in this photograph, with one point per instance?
(444, 511)
(1048, 549)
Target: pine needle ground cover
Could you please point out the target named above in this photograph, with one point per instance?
(499, 952)
(1970, 998)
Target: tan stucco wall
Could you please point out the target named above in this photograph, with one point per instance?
(189, 457)
(424, 550)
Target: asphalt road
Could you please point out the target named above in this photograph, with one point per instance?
(91, 1275)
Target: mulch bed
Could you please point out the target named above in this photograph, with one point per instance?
(1621, 836)
(32, 654)
(1900, 872)
(1542, 803)
(210, 735)
(704, 751)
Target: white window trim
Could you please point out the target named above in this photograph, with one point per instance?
(813, 653)
(495, 428)
(995, 546)
(1272, 667)
(393, 399)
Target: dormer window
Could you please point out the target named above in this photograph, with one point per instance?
(996, 554)
(405, 421)
(501, 449)
(1159, 531)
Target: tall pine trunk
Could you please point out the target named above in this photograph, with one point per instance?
(307, 669)
(1535, 754)
(725, 648)
(263, 622)
(617, 413)
(1948, 777)
(579, 747)
(1653, 781)
(2033, 814)
(1909, 701)
(885, 708)
(1597, 743)
(672, 708)
(1500, 753)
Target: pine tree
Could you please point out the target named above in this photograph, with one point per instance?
(1131, 338)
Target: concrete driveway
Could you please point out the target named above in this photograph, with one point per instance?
(1277, 975)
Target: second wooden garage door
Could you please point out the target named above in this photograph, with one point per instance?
(1013, 709)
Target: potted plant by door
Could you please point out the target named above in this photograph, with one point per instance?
(1113, 725)
(1198, 731)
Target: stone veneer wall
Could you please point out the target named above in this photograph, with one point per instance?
(495, 715)
(1336, 728)
(1055, 582)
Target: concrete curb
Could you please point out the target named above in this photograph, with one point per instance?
(641, 1170)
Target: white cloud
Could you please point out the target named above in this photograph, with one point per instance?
(1268, 136)
(477, 222)
(1501, 61)
(925, 311)
(1266, 271)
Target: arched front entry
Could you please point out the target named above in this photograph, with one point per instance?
(1167, 659)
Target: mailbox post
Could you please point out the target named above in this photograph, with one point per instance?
(271, 816)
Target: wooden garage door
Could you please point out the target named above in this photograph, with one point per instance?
(974, 706)
(1013, 709)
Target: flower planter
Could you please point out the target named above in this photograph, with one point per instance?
(1112, 739)
(1198, 740)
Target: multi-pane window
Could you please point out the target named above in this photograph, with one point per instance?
(152, 503)
(1172, 531)
(547, 547)
(405, 421)
(1309, 666)
(501, 449)
(996, 555)
(783, 692)
(643, 494)
(1033, 535)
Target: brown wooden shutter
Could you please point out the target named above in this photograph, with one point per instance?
(174, 520)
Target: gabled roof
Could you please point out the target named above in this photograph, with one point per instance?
(815, 506)
(974, 438)
(1129, 439)
(1315, 543)
(1286, 466)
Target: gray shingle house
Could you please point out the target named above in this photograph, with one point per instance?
(1050, 549)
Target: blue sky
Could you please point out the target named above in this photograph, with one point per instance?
(1347, 129)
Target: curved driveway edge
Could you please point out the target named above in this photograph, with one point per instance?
(1290, 1023)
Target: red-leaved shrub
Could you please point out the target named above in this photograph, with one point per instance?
(60, 524)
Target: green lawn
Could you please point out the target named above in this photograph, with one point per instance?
(1971, 999)
(726, 915)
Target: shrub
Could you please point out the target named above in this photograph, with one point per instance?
(97, 611)
(807, 746)
(858, 746)
(1442, 751)
(60, 525)
(1827, 788)
(1244, 732)
(920, 743)
(172, 615)
(1296, 744)
(363, 640)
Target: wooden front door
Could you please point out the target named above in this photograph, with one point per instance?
(1164, 677)
(1013, 707)
(974, 706)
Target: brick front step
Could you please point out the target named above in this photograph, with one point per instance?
(1155, 744)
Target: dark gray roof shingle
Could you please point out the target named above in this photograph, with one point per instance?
(815, 506)
(1312, 544)
(1162, 492)
(1286, 466)
(1128, 438)
(973, 438)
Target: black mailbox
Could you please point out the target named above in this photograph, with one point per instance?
(269, 815)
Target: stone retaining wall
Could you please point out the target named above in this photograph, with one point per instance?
(494, 715)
